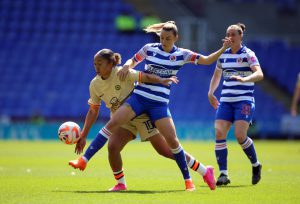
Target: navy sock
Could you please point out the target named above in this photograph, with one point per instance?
(179, 156)
(249, 149)
(99, 141)
(221, 154)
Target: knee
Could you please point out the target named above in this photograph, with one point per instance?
(112, 124)
(240, 136)
(220, 134)
(173, 143)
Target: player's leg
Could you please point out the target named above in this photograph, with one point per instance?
(221, 129)
(116, 143)
(223, 122)
(167, 129)
(120, 117)
(243, 117)
(161, 146)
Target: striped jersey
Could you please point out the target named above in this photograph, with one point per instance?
(163, 64)
(237, 64)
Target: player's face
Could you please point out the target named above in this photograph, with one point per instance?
(102, 67)
(167, 40)
(234, 36)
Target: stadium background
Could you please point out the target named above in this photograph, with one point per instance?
(47, 49)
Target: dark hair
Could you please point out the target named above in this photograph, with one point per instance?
(109, 55)
(242, 26)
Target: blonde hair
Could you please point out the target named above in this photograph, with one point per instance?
(158, 27)
(240, 27)
(109, 55)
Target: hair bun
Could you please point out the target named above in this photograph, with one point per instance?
(242, 26)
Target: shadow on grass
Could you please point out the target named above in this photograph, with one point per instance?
(235, 186)
(125, 192)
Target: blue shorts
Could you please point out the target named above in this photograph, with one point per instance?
(155, 110)
(232, 111)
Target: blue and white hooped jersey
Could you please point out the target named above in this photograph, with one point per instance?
(237, 64)
(163, 64)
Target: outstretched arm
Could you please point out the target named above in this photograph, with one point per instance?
(214, 83)
(90, 119)
(130, 64)
(207, 60)
(154, 79)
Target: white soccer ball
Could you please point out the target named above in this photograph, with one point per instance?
(69, 132)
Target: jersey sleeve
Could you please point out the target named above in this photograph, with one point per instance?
(190, 56)
(95, 98)
(141, 54)
(252, 59)
(134, 76)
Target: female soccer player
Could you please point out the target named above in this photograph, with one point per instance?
(240, 69)
(163, 59)
(107, 87)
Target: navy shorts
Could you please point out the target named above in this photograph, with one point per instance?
(232, 111)
(155, 110)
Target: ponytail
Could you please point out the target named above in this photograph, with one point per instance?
(158, 27)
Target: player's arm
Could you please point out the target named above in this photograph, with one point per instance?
(295, 99)
(257, 75)
(207, 60)
(131, 63)
(214, 83)
(90, 119)
(155, 79)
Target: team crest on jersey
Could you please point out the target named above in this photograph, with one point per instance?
(239, 60)
(117, 87)
(173, 58)
(253, 59)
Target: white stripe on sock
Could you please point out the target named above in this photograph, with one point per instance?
(177, 150)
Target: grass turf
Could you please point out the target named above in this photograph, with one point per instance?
(37, 172)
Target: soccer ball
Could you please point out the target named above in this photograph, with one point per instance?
(69, 132)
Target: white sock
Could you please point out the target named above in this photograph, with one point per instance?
(256, 164)
(197, 166)
(120, 177)
(224, 172)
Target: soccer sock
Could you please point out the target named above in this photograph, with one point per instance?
(197, 166)
(221, 155)
(249, 149)
(179, 156)
(97, 143)
(120, 177)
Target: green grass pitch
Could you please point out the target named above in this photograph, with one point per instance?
(37, 172)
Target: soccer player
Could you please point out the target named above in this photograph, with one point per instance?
(296, 97)
(107, 87)
(240, 68)
(162, 59)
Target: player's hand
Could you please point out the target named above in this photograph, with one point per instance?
(227, 42)
(213, 101)
(122, 74)
(238, 78)
(168, 81)
(80, 145)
